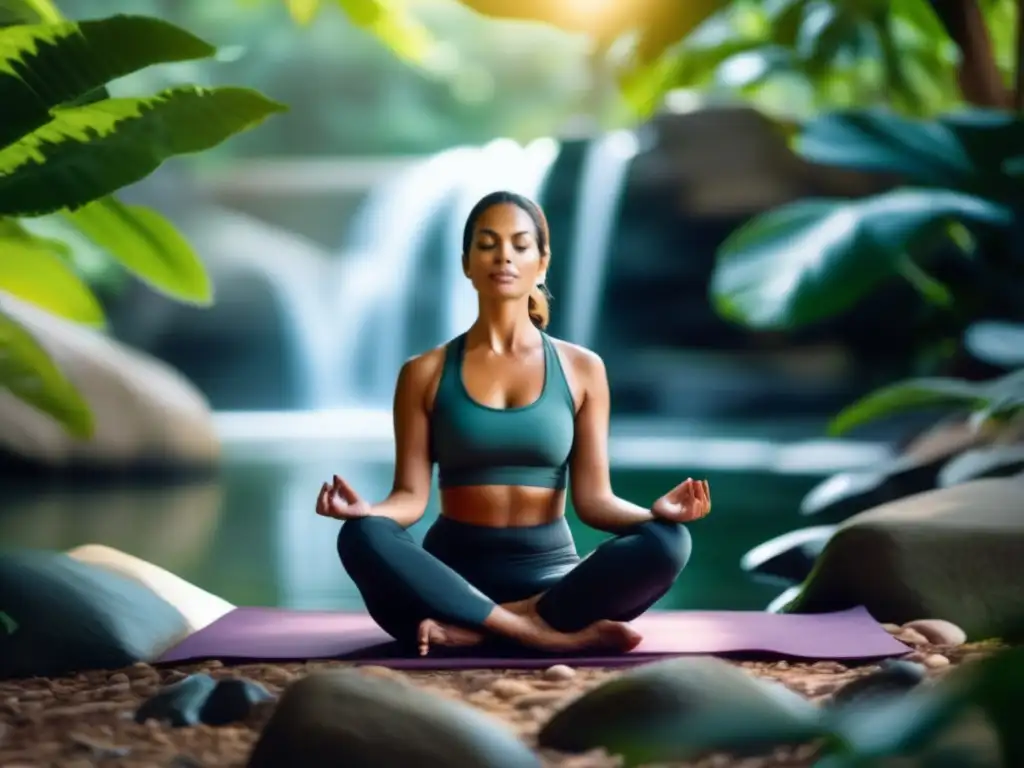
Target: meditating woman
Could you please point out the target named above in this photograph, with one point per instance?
(511, 416)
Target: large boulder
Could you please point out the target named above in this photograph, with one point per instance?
(68, 616)
(147, 415)
(953, 553)
(681, 709)
(348, 718)
(198, 607)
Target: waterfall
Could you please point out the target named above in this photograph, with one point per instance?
(601, 185)
(354, 325)
(374, 276)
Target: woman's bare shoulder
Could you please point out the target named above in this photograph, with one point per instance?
(421, 374)
(583, 362)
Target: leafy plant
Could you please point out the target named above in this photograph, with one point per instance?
(957, 213)
(903, 53)
(385, 19)
(1000, 398)
(66, 146)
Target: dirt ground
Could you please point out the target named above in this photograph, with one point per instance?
(86, 720)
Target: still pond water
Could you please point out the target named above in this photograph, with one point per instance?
(251, 534)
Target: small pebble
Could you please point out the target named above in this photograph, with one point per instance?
(938, 631)
(935, 661)
(911, 637)
(510, 689)
(560, 672)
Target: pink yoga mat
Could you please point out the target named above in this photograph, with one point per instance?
(268, 634)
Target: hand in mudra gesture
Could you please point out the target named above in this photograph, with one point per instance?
(688, 501)
(339, 501)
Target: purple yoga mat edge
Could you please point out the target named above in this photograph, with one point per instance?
(379, 649)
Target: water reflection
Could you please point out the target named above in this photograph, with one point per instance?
(253, 538)
(175, 527)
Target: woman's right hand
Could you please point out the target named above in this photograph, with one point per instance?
(340, 501)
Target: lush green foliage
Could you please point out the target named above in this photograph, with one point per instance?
(785, 55)
(66, 147)
(400, 31)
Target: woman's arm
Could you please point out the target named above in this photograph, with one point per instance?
(592, 496)
(410, 490)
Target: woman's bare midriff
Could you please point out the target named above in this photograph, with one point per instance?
(502, 506)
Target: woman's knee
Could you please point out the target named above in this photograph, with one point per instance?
(362, 534)
(667, 544)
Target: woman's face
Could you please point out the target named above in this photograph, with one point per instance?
(504, 259)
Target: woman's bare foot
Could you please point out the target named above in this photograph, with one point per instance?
(609, 635)
(446, 635)
(614, 636)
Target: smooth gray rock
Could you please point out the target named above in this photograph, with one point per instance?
(678, 709)
(232, 701)
(893, 678)
(347, 718)
(146, 413)
(72, 616)
(179, 704)
(954, 552)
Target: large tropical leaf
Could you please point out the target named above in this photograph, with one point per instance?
(15, 230)
(31, 270)
(28, 372)
(808, 260)
(88, 152)
(45, 65)
(966, 150)
(923, 151)
(148, 245)
(28, 12)
(993, 398)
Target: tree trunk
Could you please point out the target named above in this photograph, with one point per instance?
(980, 80)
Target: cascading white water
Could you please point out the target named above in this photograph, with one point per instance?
(375, 276)
(601, 185)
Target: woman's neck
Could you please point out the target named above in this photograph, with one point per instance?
(503, 327)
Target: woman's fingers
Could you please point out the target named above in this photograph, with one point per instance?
(338, 505)
(424, 638)
(321, 500)
(345, 490)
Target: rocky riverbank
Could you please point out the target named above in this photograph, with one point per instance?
(89, 719)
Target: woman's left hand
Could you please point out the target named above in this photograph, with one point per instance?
(688, 501)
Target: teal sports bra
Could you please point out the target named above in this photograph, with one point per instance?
(474, 444)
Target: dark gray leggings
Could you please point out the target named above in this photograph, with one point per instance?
(462, 571)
